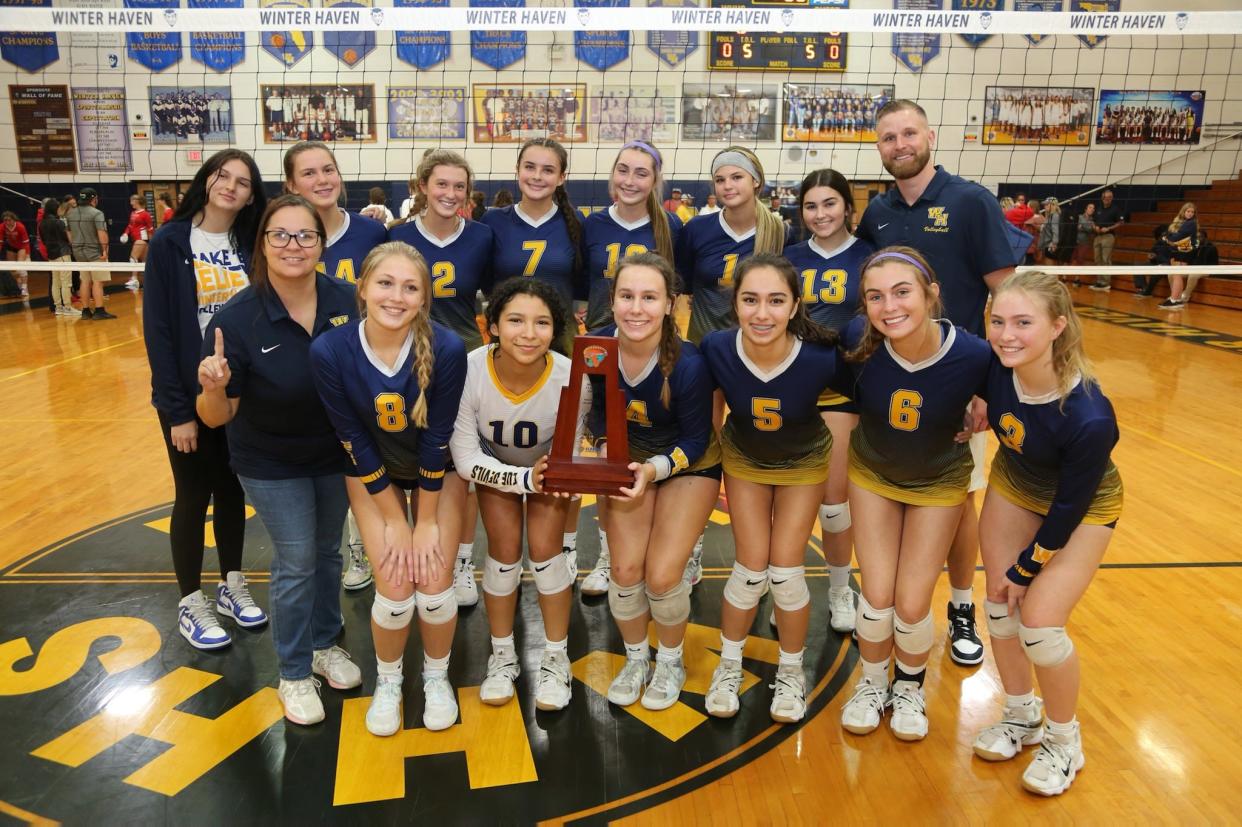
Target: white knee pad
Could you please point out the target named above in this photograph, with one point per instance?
(873, 625)
(437, 609)
(672, 607)
(914, 638)
(392, 614)
(1001, 624)
(789, 591)
(501, 579)
(835, 518)
(744, 587)
(1046, 646)
(627, 602)
(552, 576)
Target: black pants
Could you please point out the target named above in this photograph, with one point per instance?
(199, 478)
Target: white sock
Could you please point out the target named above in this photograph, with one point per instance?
(962, 597)
(838, 576)
(387, 669)
(603, 542)
(876, 671)
(1062, 731)
(637, 651)
(790, 658)
(905, 672)
(556, 645)
(502, 644)
(669, 654)
(1015, 701)
(433, 666)
(570, 540)
(731, 649)
(465, 551)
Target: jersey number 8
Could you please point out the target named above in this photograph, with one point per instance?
(390, 412)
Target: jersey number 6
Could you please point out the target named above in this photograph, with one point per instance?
(903, 410)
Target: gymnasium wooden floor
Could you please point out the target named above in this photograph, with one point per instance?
(83, 462)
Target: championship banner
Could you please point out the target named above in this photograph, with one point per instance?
(220, 51)
(915, 50)
(1037, 5)
(350, 48)
(600, 49)
(1094, 6)
(422, 50)
(497, 48)
(288, 47)
(673, 47)
(984, 6)
(156, 51)
(28, 50)
(102, 129)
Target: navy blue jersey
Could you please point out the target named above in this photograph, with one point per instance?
(370, 402)
(606, 239)
(708, 253)
(675, 438)
(830, 279)
(461, 265)
(537, 249)
(344, 252)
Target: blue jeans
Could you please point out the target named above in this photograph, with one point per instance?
(304, 517)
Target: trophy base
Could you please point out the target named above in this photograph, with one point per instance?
(586, 475)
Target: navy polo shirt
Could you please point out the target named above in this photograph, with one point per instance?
(281, 430)
(959, 228)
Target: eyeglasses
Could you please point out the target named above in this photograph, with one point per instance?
(281, 238)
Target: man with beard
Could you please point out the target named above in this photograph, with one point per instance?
(959, 228)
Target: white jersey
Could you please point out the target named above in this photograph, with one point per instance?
(499, 436)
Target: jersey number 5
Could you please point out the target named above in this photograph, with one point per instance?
(390, 412)
(903, 410)
(767, 413)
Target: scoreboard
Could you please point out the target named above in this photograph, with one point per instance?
(777, 51)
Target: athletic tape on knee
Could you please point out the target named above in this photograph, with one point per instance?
(1001, 624)
(1046, 646)
(392, 614)
(789, 590)
(744, 587)
(914, 638)
(627, 602)
(672, 607)
(552, 576)
(437, 609)
(501, 579)
(873, 625)
(835, 517)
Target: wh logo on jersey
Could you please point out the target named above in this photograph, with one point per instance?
(939, 217)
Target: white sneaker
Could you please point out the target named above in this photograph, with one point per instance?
(571, 560)
(132, 284)
(1022, 726)
(301, 701)
(70, 311)
(789, 698)
(721, 700)
(862, 713)
(502, 671)
(334, 665)
(357, 574)
(909, 719)
(465, 589)
(233, 600)
(1059, 759)
(439, 702)
(667, 680)
(841, 609)
(629, 682)
(198, 625)
(554, 690)
(384, 714)
(596, 583)
(694, 566)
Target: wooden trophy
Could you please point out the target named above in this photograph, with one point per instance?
(569, 474)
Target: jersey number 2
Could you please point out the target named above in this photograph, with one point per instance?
(443, 274)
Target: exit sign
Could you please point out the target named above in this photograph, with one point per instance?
(194, 156)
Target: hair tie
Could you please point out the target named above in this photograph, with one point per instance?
(882, 256)
(647, 148)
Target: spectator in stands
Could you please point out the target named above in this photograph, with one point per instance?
(711, 206)
(478, 205)
(55, 239)
(1048, 236)
(504, 198)
(378, 208)
(1085, 238)
(1020, 212)
(166, 201)
(685, 210)
(1107, 219)
(674, 200)
(1182, 239)
(89, 238)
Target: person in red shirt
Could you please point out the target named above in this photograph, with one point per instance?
(167, 200)
(16, 248)
(139, 231)
(1020, 212)
(674, 202)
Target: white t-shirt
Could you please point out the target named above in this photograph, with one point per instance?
(218, 272)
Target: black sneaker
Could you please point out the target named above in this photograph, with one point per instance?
(87, 313)
(964, 645)
(100, 313)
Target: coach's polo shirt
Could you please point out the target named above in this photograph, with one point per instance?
(281, 430)
(959, 228)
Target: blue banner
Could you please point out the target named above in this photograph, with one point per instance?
(1037, 5)
(422, 49)
(217, 50)
(28, 50)
(289, 46)
(984, 6)
(600, 49)
(673, 47)
(498, 49)
(155, 51)
(1093, 40)
(913, 49)
(349, 48)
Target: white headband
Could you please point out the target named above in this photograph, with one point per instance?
(733, 158)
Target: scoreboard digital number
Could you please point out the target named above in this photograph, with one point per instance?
(777, 51)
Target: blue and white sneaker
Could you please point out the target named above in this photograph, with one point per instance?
(198, 625)
(233, 600)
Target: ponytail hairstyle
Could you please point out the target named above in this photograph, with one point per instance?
(1069, 359)
(1181, 217)
(297, 149)
(504, 292)
(800, 324)
(424, 361)
(431, 160)
(670, 340)
(655, 209)
(573, 222)
(915, 261)
(258, 262)
(836, 182)
(769, 229)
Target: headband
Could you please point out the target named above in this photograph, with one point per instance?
(734, 158)
(901, 257)
(647, 148)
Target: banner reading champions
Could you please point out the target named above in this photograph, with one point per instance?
(600, 49)
(220, 51)
(28, 50)
(495, 48)
(422, 49)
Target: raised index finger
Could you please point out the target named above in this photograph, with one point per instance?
(219, 343)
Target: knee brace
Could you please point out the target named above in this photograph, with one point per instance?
(1046, 646)
(552, 576)
(835, 518)
(873, 625)
(627, 602)
(744, 587)
(392, 614)
(437, 609)
(789, 591)
(672, 607)
(1001, 624)
(501, 579)
(914, 638)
